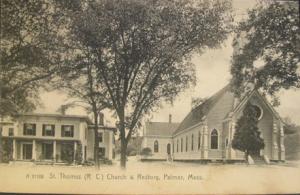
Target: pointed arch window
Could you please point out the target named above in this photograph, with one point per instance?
(186, 143)
(192, 144)
(199, 140)
(156, 146)
(181, 145)
(214, 139)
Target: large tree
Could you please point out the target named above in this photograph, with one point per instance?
(29, 52)
(29, 56)
(79, 78)
(247, 135)
(267, 48)
(80, 83)
(141, 50)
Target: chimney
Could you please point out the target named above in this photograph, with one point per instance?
(63, 109)
(170, 118)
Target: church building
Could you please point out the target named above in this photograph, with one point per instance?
(206, 133)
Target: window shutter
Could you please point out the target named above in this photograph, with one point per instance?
(34, 129)
(72, 131)
(53, 130)
(43, 132)
(24, 129)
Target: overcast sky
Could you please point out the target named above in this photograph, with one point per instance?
(212, 70)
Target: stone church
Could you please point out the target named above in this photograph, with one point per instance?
(206, 133)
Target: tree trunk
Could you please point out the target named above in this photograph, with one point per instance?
(96, 142)
(123, 153)
(96, 157)
(123, 140)
(1, 143)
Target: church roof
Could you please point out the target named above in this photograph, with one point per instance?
(160, 128)
(199, 113)
(201, 110)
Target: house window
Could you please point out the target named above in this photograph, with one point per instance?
(186, 143)
(27, 151)
(47, 151)
(67, 130)
(226, 142)
(11, 132)
(192, 144)
(177, 145)
(214, 139)
(199, 140)
(181, 145)
(156, 146)
(48, 130)
(100, 137)
(29, 129)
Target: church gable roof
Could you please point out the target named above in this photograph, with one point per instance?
(202, 110)
(262, 99)
(196, 115)
(160, 128)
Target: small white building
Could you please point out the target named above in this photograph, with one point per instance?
(158, 137)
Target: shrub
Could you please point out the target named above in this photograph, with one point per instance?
(146, 152)
(78, 154)
(7, 150)
(67, 153)
(131, 151)
(107, 161)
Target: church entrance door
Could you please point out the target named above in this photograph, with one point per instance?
(169, 148)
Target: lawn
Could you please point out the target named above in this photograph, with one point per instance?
(152, 177)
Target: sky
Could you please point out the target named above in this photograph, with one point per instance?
(212, 73)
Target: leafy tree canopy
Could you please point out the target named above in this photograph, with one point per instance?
(267, 49)
(30, 42)
(142, 48)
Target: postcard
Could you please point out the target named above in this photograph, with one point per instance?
(149, 97)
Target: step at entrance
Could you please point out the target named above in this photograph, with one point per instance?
(258, 159)
(169, 158)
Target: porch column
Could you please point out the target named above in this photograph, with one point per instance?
(282, 148)
(201, 140)
(34, 149)
(274, 141)
(231, 134)
(14, 149)
(110, 145)
(205, 141)
(54, 151)
(75, 149)
(228, 141)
